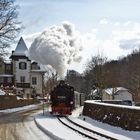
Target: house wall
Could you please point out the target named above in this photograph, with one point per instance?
(6, 78)
(38, 86)
(20, 72)
(123, 95)
(27, 93)
(106, 96)
(28, 78)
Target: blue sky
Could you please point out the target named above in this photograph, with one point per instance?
(111, 27)
(85, 14)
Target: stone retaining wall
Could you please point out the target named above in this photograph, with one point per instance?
(126, 117)
(10, 101)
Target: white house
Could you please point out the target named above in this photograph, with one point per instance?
(117, 93)
(94, 94)
(28, 74)
(123, 94)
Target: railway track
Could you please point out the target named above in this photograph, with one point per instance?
(89, 133)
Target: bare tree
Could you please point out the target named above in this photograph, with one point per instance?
(52, 81)
(75, 79)
(9, 25)
(96, 72)
(133, 73)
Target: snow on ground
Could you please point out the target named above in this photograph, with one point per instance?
(55, 129)
(112, 105)
(18, 109)
(2, 92)
(107, 129)
(52, 127)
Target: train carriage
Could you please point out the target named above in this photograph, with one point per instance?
(79, 99)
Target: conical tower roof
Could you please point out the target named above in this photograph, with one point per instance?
(21, 49)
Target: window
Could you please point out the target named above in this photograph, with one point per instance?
(8, 67)
(1, 66)
(34, 80)
(22, 65)
(22, 79)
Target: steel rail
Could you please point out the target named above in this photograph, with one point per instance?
(90, 130)
(88, 136)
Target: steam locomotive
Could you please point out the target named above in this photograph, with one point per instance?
(62, 99)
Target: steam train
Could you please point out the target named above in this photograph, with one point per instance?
(62, 99)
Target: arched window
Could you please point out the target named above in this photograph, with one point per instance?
(22, 65)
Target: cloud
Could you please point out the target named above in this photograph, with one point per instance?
(119, 42)
(63, 46)
(130, 44)
(129, 37)
(117, 24)
(57, 46)
(103, 21)
(30, 38)
(127, 23)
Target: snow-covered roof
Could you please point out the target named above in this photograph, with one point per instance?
(110, 90)
(42, 68)
(93, 92)
(7, 61)
(34, 61)
(6, 75)
(2, 92)
(116, 89)
(21, 49)
(19, 98)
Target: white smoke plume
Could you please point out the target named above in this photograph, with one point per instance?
(57, 46)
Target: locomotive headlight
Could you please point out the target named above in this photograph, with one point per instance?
(71, 102)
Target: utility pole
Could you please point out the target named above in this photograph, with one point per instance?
(43, 90)
(43, 104)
